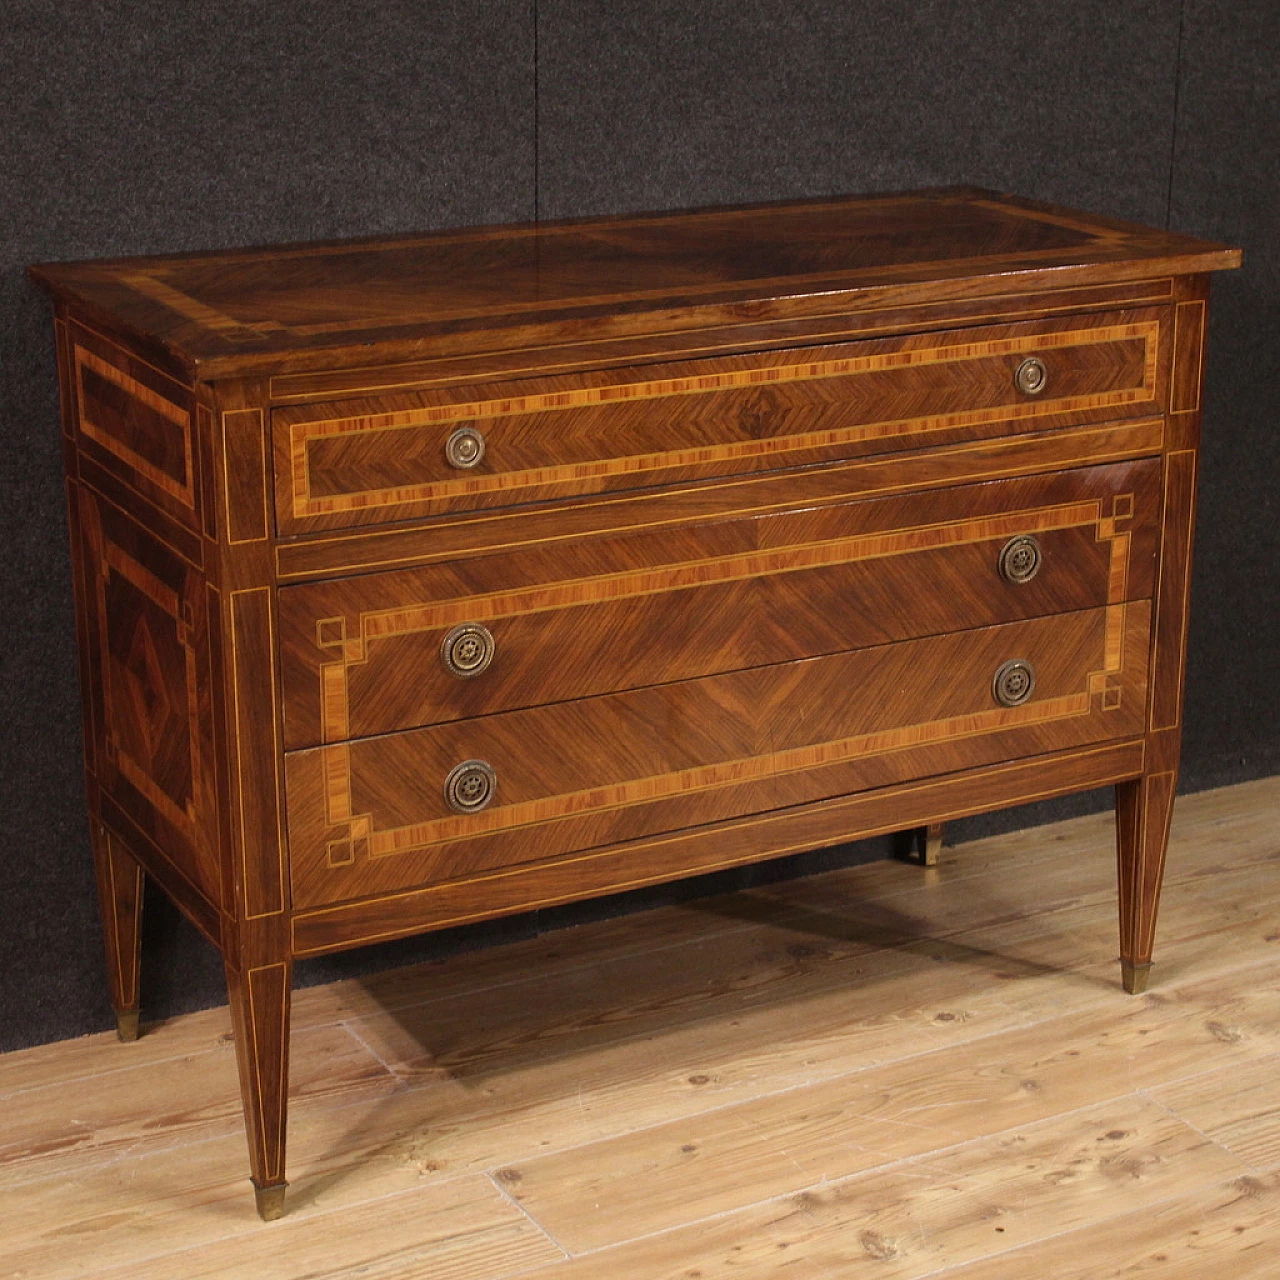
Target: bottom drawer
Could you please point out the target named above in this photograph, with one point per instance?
(371, 816)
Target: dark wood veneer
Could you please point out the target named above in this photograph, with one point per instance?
(736, 534)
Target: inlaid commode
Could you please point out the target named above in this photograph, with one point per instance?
(425, 579)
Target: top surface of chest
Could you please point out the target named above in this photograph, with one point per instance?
(297, 307)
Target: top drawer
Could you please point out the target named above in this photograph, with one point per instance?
(413, 454)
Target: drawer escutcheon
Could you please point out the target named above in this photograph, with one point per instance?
(1014, 682)
(1020, 558)
(467, 650)
(464, 448)
(470, 786)
(1031, 377)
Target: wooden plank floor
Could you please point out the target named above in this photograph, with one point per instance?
(885, 1071)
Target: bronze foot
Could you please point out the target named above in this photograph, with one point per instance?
(1135, 976)
(931, 844)
(270, 1201)
(127, 1025)
(920, 845)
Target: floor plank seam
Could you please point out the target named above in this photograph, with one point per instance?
(370, 1050)
(1181, 1119)
(524, 1213)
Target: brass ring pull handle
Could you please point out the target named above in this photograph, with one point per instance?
(470, 786)
(1031, 376)
(464, 448)
(467, 650)
(1020, 559)
(1014, 682)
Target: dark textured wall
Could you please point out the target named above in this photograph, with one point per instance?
(145, 126)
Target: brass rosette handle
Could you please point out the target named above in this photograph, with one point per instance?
(467, 650)
(1020, 559)
(1014, 682)
(470, 786)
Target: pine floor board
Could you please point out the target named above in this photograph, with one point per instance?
(1226, 1231)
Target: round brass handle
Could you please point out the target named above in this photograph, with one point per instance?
(464, 448)
(1020, 559)
(1014, 683)
(470, 786)
(467, 650)
(1031, 376)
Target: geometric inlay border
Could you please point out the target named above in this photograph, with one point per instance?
(302, 434)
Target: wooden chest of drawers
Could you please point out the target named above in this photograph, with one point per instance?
(430, 578)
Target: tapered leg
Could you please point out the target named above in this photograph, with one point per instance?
(1144, 808)
(260, 1019)
(120, 900)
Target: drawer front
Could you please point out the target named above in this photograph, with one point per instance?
(371, 654)
(463, 448)
(372, 816)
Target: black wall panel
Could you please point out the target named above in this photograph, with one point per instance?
(146, 126)
(1226, 183)
(662, 103)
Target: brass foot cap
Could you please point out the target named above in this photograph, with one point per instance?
(270, 1201)
(1135, 976)
(127, 1025)
(932, 844)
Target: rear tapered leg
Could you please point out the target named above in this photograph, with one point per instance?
(1144, 807)
(260, 1020)
(120, 900)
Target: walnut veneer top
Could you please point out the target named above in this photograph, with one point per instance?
(297, 307)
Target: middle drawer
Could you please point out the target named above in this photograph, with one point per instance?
(390, 651)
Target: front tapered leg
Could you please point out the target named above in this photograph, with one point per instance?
(260, 1021)
(120, 899)
(1144, 807)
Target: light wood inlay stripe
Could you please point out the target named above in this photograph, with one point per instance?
(175, 413)
(206, 317)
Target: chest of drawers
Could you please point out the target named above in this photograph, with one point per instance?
(431, 578)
